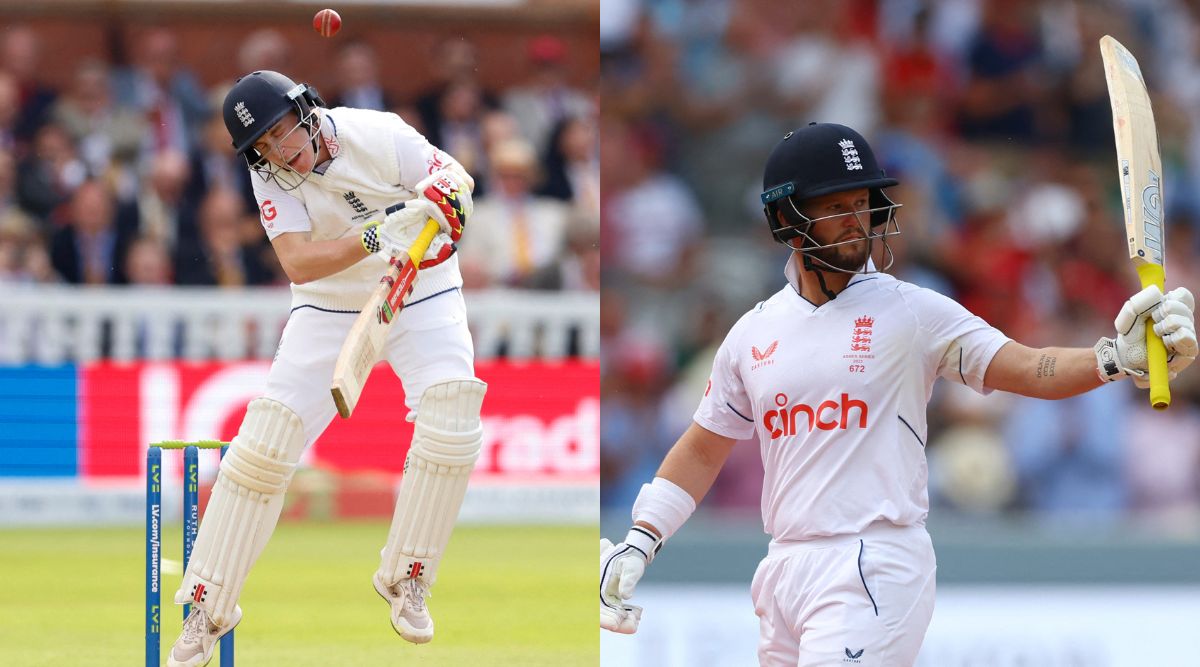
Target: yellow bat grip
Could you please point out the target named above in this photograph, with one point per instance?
(417, 250)
(1156, 352)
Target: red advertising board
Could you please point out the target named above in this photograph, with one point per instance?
(540, 419)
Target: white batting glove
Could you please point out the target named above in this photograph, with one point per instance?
(1174, 319)
(450, 191)
(621, 568)
(400, 229)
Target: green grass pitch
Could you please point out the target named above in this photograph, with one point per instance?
(506, 595)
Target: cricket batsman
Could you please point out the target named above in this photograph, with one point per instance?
(323, 179)
(832, 375)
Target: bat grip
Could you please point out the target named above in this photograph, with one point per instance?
(417, 250)
(1156, 352)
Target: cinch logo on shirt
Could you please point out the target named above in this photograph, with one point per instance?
(782, 422)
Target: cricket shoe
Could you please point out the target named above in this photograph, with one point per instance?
(410, 616)
(195, 645)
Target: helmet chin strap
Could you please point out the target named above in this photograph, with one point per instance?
(810, 265)
(807, 262)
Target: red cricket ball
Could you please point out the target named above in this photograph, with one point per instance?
(327, 22)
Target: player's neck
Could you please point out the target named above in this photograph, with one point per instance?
(810, 284)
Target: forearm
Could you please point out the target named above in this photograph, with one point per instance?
(692, 465)
(1048, 372)
(306, 260)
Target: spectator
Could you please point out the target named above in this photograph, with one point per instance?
(161, 209)
(1067, 458)
(20, 57)
(633, 436)
(455, 61)
(1004, 87)
(49, 175)
(824, 70)
(148, 262)
(22, 255)
(1162, 456)
(104, 133)
(460, 119)
(652, 218)
(265, 49)
(524, 233)
(221, 257)
(578, 267)
(215, 166)
(10, 110)
(573, 165)
(8, 186)
(166, 92)
(358, 76)
(546, 98)
(90, 248)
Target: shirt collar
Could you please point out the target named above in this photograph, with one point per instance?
(792, 273)
(330, 139)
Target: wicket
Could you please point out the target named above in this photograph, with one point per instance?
(191, 523)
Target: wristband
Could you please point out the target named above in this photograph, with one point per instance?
(370, 239)
(664, 505)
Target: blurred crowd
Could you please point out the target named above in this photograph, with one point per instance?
(995, 117)
(126, 174)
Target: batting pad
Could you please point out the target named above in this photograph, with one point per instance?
(244, 508)
(446, 441)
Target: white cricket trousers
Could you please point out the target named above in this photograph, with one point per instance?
(862, 599)
(428, 342)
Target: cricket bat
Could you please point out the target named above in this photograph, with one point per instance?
(1140, 167)
(361, 349)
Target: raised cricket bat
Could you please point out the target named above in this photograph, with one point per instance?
(1140, 166)
(367, 336)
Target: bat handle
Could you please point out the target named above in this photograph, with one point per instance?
(1156, 352)
(417, 250)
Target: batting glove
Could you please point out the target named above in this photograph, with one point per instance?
(450, 191)
(1174, 320)
(621, 568)
(399, 230)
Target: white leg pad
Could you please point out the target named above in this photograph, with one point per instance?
(246, 501)
(446, 442)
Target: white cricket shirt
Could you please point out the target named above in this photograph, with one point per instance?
(377, 161)
(836, 396)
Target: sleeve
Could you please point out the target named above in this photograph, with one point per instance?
(961, 344)
(725, 408)
(416, 156)
(279, 211)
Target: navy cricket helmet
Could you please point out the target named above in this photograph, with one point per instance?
(259, 100)
(820, 159)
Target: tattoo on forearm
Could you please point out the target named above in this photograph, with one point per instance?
(1045, 367)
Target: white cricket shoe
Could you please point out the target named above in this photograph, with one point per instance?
(195, 645)
(410, 616)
